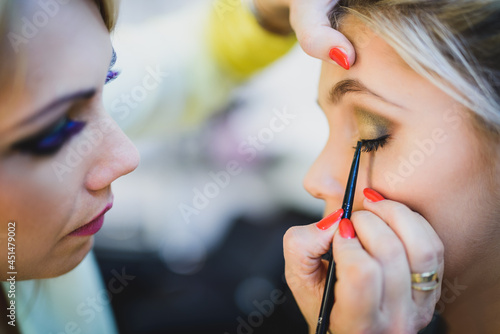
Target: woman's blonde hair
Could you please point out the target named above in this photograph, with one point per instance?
(109, 12)
(453, 43)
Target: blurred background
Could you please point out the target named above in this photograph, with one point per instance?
(199, 225)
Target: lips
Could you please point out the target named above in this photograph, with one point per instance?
(92, 227)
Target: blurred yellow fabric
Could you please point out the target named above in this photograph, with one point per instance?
(239, 43)
(198, 55)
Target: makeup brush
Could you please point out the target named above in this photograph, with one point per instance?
(327, 302)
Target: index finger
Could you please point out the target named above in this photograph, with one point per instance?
(315, 34)
(413, 230)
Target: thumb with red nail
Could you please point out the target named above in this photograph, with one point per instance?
(309, 20)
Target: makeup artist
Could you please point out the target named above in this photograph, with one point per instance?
(424, 100)
(55, 59)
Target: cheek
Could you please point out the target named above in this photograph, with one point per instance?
(426, 157)
(42, 206)
(436, 174)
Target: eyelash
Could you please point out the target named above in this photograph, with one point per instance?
(51, 140)
(371, 145)
(112, 74)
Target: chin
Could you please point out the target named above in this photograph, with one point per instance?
(81, 253)
(64, 260)
(70, 262)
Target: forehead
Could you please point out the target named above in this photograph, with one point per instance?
(367, 41)
(60, 50)
(379, 67)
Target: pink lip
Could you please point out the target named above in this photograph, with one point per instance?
(94, 226)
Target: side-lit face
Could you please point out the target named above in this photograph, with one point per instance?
(425, 151)
(59, 150)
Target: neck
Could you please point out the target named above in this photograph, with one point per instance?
(470, 310)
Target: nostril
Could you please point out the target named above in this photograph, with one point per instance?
(311, 187)
(313, 191)
(322, 179)
(324, 188)
(317, 187)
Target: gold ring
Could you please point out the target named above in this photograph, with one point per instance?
(427, 277)
(427, 281)
(425, 287)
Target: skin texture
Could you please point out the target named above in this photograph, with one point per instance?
(440, 214)
(45, 205)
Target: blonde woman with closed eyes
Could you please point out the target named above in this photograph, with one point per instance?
(424, 99)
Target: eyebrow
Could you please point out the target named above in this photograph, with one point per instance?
(341, 88)
(81, 95)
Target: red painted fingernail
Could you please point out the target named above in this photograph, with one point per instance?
(372, 195)
(346, 229)
(328, 221)
(340, 58)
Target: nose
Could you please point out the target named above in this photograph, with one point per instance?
(325, 179)
(116, 156)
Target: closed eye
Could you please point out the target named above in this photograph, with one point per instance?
(371, 145)
(49, 141)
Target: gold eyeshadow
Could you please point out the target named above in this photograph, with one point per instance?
(370, 125)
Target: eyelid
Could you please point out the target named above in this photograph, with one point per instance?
(371, 118)
(42, 134)
(75, 106)
(372, 125)
(50, 140)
